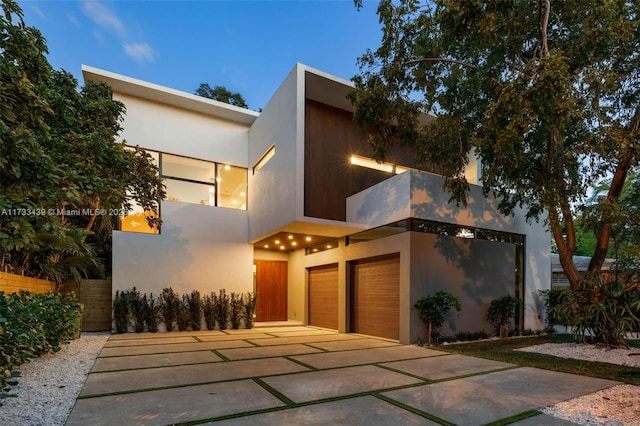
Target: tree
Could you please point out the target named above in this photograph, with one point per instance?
(58, 152)
(546, 92)
(433, 309)
(222, 94)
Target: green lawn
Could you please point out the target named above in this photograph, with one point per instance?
(503, 350)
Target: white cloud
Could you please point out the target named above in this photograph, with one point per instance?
(38, 12)
(99, 14)
(73, 20)
(140, 52)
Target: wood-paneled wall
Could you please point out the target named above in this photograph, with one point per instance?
(331, 138)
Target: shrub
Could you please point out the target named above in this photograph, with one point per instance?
(235, 310)
(32, 325)
(433, 310)
(222, 309)
(552, 299)
(464, 336)
(249, 304)
(137, 309)
(501, 311)
(602, 311)
(194, 302)
(209, 311)
(184, 318)
(169, 307)
(151, 312)
(121, 312)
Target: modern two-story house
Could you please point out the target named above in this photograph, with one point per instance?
(288, 203)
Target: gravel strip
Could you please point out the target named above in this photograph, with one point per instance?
(48, 386)
(616, 406)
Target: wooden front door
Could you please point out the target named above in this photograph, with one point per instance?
(271, 287)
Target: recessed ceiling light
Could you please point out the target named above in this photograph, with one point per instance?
(227, 167)
(282, 247)
(328, 246)
(243, 194)
(294, 243)
(308, 238)
(277, 241)
(266, 246)
(290, 237)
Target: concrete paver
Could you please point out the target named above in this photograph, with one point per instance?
(179, 347)
(301, 333)
(193, 383)
(118, 381)
(365, 356)
(315, 385)
(156, 360)
(354, 344)
(243, 336)
(169, 406)
(364, 410)
(445, 366)
(268, 351)
(147, 341)
(304, 339)
(489, 397)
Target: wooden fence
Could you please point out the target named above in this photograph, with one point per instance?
(95, 295)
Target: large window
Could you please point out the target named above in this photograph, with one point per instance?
(204, 182)
(189, 180)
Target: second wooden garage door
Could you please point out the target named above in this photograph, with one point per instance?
(375, 297)
(323, 296)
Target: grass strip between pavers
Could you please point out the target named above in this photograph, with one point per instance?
(515, 418)
(224, 358)
(273, 391)
(310, 367)
(156, 366)
(294, 405)
(198, 339)
(414, 410)
(316, 347)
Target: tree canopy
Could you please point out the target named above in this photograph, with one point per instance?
(222, 94)
(545, 92)
(58, 154)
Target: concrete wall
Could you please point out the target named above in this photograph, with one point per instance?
(199, 248)
(387, 202)
(274, 190)
(475, 271)
(175, 130)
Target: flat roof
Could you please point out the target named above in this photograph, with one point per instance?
(154, 92)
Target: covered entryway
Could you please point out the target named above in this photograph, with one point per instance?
(375, 297)
(323, 296)
(271, 287)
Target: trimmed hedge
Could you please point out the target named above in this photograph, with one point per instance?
(32, 325)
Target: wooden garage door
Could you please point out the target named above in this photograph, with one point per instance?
(323, 296)
(375, 297)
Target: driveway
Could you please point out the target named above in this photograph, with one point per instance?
(295, 375)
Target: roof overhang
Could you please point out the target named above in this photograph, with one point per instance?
(153, 92)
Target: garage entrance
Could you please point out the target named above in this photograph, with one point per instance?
(375, 297)
(323, 296)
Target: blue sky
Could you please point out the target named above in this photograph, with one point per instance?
(246, 46)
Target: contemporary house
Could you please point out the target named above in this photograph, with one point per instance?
(288, 203)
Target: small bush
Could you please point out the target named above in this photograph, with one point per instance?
(249, 304)
(184, 317)
(222, 309)
(235, 310)
(466, 336)
(137, 309)
(121, 312)
(32, 325)
(501, 311)
(552, 300)
(169, 307)
(194, 302)
(209, 311)
(433, 310)
(151, 312)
